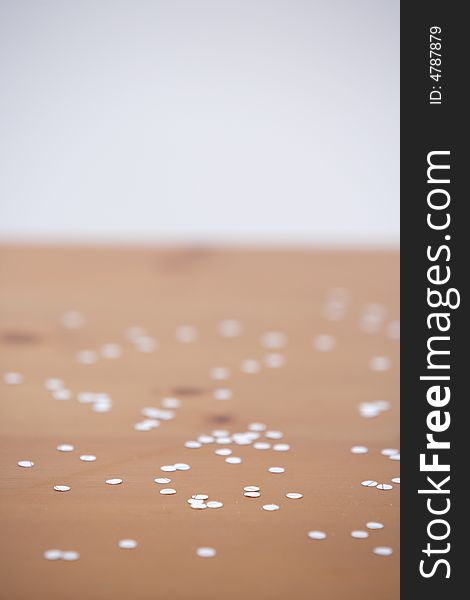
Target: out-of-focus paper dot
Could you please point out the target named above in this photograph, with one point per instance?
(111, 351)
(72, 319)
(87, 357)
(273, 339)
(206, 552)
(230, 328)
(324, 342)
(13, 378)
(274, 360)
(380, 363)
(186, 334)
(223, 394)
(250, 366)
(70, 555)
(127, 544)
(53, 554)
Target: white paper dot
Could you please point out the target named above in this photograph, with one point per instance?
(88, 457)
(223, 451)
(383, 551)
(167, 491)
(251, 488)
(233, 460)
(261, 446)
(270, 507)
(384, 486)
(223, 440)
(115, 481)
(274, 435)
(220, 433)
(206, 439)
(395, 456)
(162, 480)
(396, 480)
(359, 534)
(62, 488)
(192, 444)
(166, 415)
(316, 535)
(214, 504)
(243, 439)
(252, 494)
(389, 451)
(369, 483)
(294, 495)
(359, 449)
(182, 467)
(374, 525)
(281, 447)
(65, 448)
(198, 504)
(257, 427)
(276, 469)
(143, 426)
(26, 464)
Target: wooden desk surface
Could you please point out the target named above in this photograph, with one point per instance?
(313, 399)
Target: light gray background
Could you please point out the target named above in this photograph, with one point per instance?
(216, 120)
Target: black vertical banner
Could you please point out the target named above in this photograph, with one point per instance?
(435, 248)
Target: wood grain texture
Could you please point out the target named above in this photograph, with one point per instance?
(313, 399)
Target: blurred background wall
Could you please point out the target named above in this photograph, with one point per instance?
(258, 121)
